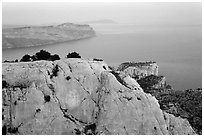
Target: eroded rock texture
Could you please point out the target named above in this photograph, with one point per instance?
(76, 96)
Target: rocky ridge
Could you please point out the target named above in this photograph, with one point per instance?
(185, 104)
(43, 35)
(78, 96)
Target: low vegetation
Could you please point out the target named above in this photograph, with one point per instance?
(97, 59)
(55, 71)
(186, 104)
(12, 61)
(41, 55)
(73, 55)
(149, 81)
(45, 55)
(26, 58)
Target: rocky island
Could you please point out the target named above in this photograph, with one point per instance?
(42, 35)
(84, 97)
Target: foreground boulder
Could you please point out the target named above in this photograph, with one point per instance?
(77, 96)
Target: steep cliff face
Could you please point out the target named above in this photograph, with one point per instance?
(42, 35)
(77, 96)
(139, 70)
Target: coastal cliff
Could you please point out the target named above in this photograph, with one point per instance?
(185, 104)
(42, 35)
(138, 70)
(78, 96)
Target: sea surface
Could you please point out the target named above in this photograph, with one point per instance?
(176, 48)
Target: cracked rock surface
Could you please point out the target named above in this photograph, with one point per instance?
(77, 96)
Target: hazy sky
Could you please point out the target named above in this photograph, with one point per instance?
(140, 13)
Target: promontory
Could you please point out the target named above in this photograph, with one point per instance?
(43, 35)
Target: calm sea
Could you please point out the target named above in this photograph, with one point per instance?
(176, 48)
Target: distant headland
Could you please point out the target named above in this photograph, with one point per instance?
(27, 36)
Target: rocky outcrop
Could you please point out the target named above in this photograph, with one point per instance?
(152, 82)
(77, 96)
(177, 125)
(138, 70)
(185, 104)
(43, 35)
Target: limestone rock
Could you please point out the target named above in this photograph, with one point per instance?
(177, 125)
(77, 96)
(139, 70)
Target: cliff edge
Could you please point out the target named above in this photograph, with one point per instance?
(138, 70)
(78, 96)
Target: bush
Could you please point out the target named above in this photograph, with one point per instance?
(7, 61)
(73, 55)
(55, 70)
(42, 55)
(26, 58)
(97, 59)
(4, 84)
(54, 57)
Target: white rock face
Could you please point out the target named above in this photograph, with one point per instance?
(77, 96)
(139, 70)
(177, 125)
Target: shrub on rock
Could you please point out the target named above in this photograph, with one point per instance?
(42, 55)
(26, 58)
(73, 55)
(54, 57)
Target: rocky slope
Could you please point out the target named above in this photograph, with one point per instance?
(43, 35)
(77, 96)
(185, 104)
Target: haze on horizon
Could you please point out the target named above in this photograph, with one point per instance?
(137, 13)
